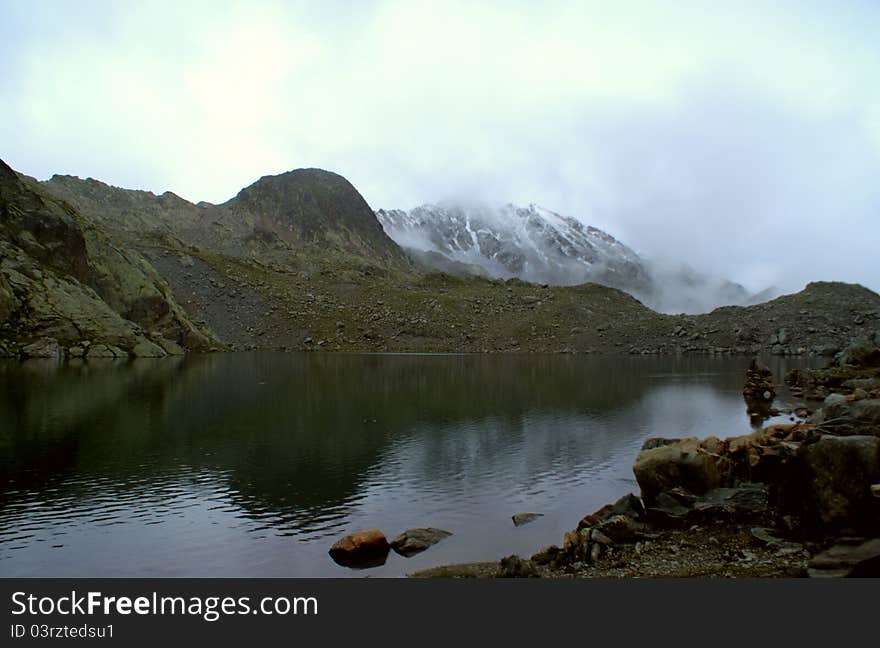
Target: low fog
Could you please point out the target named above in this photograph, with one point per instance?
(743, 142)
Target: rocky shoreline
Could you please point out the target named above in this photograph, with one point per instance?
(792, 500)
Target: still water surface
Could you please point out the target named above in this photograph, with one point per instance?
(253, 464)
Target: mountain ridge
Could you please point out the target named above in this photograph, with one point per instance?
(160, 266)
(541, 246)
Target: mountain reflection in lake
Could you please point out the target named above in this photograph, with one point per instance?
(252, 464)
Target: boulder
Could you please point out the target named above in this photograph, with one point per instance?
(43, 348)
(413, 541)
(619, 529)
(694, 465)
(839, 471)
(147, 349)
(76, 351)
(657, 442)
(360, 549)
(516, 567)
(630, 506)
(868, 384)
(546, 555)
(741, 502)
(862, 352)
(677, 508)
(169, 347)
(105, 351)
(847, 416)
(853, 559)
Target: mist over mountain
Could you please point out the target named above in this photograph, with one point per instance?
(541, 246)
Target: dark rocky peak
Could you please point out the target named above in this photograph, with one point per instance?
(44, 227)
(313, 206)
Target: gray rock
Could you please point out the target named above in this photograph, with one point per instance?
(866, 412)
(630, 506)
(833, 400)
(516, 567)
(524, 518)
(657, 442)
(862, 352)
(43, 348)
(413, 541)
(76, 352)
(860, 559)
(623, 529)
(146, 349)
(868, 384)
(839, 471)
(100, 351)
(169, 347)
(597, 536)
(745, 500)
(782, 547)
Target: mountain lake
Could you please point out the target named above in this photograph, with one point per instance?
(253, 464)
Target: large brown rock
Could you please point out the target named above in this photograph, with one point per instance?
(363, 548)
(692, 464)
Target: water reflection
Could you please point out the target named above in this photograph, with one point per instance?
(249, 464)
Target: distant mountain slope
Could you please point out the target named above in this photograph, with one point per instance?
(541, 246)
(530, 243)
(294, 263)
(301, 209)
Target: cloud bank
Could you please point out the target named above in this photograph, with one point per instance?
(743, 139)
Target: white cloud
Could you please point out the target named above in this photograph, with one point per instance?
(738, 136)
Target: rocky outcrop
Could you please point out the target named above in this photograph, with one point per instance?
(820, 479)
(62, 278)
(853, 371)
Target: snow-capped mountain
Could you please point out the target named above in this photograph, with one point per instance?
(531, 243)
(541, 246)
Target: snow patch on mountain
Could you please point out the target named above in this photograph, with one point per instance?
(541, 246)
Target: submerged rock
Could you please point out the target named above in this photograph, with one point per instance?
(360, 549)
(413, 541)
(524, 518)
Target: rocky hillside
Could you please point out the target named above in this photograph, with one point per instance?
(65, 287)
(306, 210)
(299, 261)
(541, 246)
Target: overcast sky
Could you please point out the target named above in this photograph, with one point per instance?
(742, 138)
